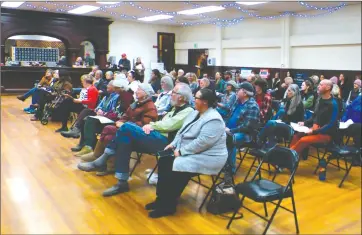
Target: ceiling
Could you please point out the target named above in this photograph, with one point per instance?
(125, 10)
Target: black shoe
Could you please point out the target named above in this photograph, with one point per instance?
(152, 206)
(158, 213)
(120, 187)
(77, 148)
(73, 133)
(22, 98)
(62, 129)
(90, 166)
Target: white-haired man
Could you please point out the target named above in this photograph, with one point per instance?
(180, 73)
(150, 138)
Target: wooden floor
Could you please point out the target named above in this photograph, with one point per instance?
(42, 192)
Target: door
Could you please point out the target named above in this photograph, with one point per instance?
(166, 50)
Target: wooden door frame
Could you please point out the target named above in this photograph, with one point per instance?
(158, 46)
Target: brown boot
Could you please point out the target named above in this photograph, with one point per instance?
(99, 149)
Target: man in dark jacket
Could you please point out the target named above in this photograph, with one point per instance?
(324, 122)
(124, 63)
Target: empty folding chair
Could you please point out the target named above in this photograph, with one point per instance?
(268, 191)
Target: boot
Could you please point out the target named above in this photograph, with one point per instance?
(85, 150)
(121, 187)
(97, 152)
(20, 97)
(79, 146)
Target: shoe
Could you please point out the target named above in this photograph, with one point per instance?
(120, 187)
(34, 106)
(158, 213)
(99, 149)
(89, 157)
(77, 148)
(90, 166)
(62, 129)
(31, 111)
(73, 133)
(85, 150)
(20, 97)
(27, 109)
(152, 206)
(34, 119)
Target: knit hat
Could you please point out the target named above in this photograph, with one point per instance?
(147, 88)
(358, 82)
(121, 83)
(247, 87)
(232, 83)
(334, 80)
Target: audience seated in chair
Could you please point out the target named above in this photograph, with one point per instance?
(192, 81)
(164, 98)
(108, 104)
(324, 122)
(228, 99)
(151, 138)
(88, 99)
(244, 119)
(198, 148)
(263, 100)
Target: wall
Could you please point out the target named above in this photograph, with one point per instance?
(331, 42)
(136, 40)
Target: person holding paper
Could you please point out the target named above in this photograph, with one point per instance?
(324, 122)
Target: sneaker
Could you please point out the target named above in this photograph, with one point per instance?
(85, 150)
(154, 178)
(73, 133)
(31, 111)
(27, 109)
(62, 129)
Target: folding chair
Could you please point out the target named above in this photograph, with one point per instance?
(138, 161)
(268, 191)
(269, 140)
(346, 152)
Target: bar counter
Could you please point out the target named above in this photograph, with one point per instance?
(19, 79)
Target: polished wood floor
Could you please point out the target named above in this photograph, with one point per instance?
(42, 192)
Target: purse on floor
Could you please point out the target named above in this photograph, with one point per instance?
(222, 202)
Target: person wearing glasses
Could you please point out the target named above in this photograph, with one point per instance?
(198, 148)
(150, 138)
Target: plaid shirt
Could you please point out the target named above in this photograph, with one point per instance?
(249, 116)
(265, 108)
(108, 103)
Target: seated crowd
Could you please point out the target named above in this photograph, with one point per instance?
(200, 122)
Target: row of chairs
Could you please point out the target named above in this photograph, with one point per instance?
(267, 151)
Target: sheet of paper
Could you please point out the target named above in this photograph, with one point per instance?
(279, 121)
(298, 128)
(102, 119)
(345, 125)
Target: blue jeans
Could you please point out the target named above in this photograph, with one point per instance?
(279, 114)
(269, 126)
(238, 140)
(131, 137)
(34, 93)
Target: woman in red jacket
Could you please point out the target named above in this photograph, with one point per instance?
(87, 100)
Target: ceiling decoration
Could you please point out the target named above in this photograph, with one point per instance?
(232, 14)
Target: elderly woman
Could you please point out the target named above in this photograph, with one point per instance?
(133, 83)
(192, 81)
(198, 148)
(163, 100)
(228, 99)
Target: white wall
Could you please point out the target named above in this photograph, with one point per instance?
(136, 40)
(330, 42)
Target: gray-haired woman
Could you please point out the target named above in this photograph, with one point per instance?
(163, 100)
(294, 107)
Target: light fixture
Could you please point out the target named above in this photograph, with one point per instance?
(155, 17)
(11, 4)
(83, 9)
(108, 3)
(201, 10)
(250, 3)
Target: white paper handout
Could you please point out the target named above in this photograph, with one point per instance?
(298, 128)
(102, 119)
(345, 125)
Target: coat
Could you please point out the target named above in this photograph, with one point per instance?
(202, 144)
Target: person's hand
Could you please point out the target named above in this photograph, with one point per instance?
(170, 146)
(147, 129)
(100, 91)
(309, 131)
(119, 124)
(176, 153)
(284, 85)
(301, 123)
(100, 112)
(227, 130)
(121, 65)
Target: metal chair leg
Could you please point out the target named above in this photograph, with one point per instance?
(348, 169)
(235, 212)
(247, 174)
(138, 160)
(209, 191)
(265, 209)
(272, 217)
(295, 214)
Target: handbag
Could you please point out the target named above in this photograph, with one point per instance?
(221, 202)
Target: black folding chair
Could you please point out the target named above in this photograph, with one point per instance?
(268, 191)
(346, 152)
(268, 140)
(138, 161)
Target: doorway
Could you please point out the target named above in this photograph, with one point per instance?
(166, 50)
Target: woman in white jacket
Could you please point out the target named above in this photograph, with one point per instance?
(163, 100)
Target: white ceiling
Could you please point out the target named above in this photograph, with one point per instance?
(267, 9)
